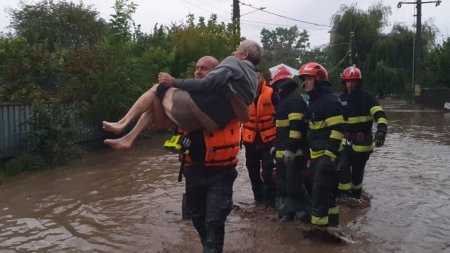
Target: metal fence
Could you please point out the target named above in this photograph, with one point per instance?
(14, 127)
(434, 97)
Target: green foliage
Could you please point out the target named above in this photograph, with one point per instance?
(285, 45)
(22, 164)
(386, 60)
(58, 24)
(52, 134)
(366, 27)
(121, 21)
(437, 64)
(191, 40)
(28, 72)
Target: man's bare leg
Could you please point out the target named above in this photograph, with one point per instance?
(141, 105)
(127, 141)
(155, 116)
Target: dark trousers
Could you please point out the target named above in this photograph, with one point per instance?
(292, 193)
(352, 171)
(263, 189)
(323, 187)
(209, 194)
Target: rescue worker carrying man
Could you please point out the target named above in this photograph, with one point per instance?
(325, 133)
(360, 109)
(293, 201)
(257, 136)
(208, 162)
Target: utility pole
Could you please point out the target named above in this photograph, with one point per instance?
(352, 51)
(418, 51)
(236, 18)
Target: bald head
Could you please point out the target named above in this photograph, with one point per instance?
(204, 66)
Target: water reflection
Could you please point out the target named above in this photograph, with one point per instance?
(130, 201)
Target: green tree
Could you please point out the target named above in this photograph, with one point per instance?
(191, 40)
(366, 27)
(57, 24)
(437, 65)
(284, 45)
(121, 22)
(27, 72)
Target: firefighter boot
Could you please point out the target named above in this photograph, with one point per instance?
(333, 220)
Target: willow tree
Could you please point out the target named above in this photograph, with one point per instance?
(389, 63)
(357, 30)
(437, 65)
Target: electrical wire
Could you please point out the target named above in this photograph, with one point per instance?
(281, 16)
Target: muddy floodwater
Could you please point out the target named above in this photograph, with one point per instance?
(130, 201)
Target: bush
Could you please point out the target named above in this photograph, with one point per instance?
(22, 164)
(52, 135)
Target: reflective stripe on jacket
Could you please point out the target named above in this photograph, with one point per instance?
(291, 124)
(326, 125)
(261, 118)
(360, 110)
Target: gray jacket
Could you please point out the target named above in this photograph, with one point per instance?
(232, 77)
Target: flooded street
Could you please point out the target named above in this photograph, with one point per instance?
(131, 201)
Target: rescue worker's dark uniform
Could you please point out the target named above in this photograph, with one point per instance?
(209, 169)
(257, 136)
(325, 133)
(293, 201)
(360, 109)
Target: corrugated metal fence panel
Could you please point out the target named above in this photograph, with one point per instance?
(14, 126)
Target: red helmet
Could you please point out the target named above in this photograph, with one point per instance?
(280, 73)
(313, 69)
(350, 73)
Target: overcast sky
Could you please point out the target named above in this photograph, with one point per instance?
(317, 14)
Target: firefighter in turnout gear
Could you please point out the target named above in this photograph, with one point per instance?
(293, 201)
(257, 136)
(325, 133)
(360, 110)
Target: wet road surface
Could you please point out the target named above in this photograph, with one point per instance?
(131, 201)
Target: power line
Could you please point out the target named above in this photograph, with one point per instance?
(281, 16)
(204, 9)
(279, 25)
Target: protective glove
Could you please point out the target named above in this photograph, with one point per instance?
(288, 157)
(272, 152)
(379, 138)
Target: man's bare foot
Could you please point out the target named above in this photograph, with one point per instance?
(115, 127)
(121, 143)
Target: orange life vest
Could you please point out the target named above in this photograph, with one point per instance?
(222, 146)
(261, 118)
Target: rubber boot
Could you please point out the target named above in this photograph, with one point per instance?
(333, 220)
(356, 193)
